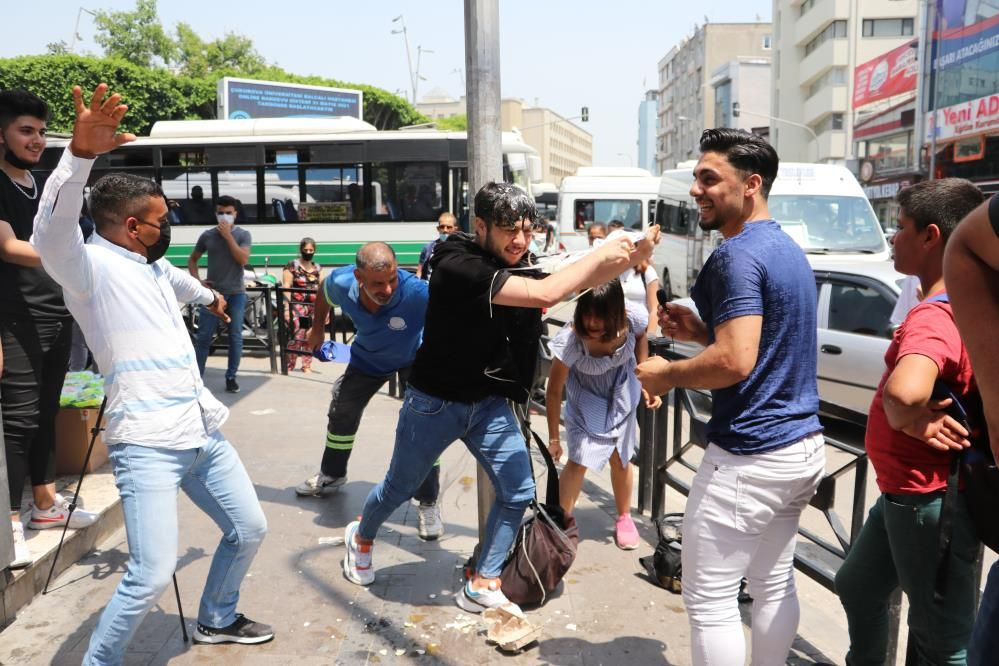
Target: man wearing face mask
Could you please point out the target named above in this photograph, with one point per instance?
(228, 249)
(35, 328)
(388, 306)
(163, 426)
(447, 224)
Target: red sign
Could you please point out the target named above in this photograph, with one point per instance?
(887, 75)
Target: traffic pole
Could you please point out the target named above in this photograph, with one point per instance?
(485, 144)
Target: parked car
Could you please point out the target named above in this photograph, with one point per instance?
(855, 302)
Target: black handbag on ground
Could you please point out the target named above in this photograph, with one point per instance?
(664, 565)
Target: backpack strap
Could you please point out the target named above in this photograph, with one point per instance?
(951, 496)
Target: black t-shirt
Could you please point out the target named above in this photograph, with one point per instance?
(25, 292)
(994, 213)
(469, 353)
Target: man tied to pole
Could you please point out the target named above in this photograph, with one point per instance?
(162, 423)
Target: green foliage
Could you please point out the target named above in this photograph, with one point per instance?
(455, 123)
(136, 36)
(138, 51)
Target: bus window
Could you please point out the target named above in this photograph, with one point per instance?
(628, 211)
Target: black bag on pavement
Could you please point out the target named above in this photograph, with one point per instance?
(545, 548)
(664, 564)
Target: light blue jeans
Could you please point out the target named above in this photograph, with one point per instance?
(208, 323)
(427, 426)
(148, 481)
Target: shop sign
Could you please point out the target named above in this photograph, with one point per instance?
(887, 75)
(885, 190)
(978, 116)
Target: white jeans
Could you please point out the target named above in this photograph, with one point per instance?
(741, 521)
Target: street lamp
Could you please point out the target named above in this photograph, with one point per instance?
(416, 80)
(76, 28)
(815, 137)
(409, 58)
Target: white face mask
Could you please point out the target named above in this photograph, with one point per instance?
(226, 217)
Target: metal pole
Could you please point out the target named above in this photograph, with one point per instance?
(485, 146)
(933, 88)
(922, 56)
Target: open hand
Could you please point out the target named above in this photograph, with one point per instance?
(96, 128)
(938, 429)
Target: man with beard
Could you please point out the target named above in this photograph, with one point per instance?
(35, 328)
(765, 455)
(163, 426)
(463, 392)
(388, 306)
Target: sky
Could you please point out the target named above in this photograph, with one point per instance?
(559, 54)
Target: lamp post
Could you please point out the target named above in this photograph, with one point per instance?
(815, 137)
(76, 27)
(416, 80)
(409, 58)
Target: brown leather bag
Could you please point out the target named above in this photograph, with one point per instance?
(545, 547)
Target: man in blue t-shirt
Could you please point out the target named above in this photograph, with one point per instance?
(765, 457)
(388, 306)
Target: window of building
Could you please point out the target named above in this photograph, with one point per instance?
(834, 121)
(896, 27)
(834, 77)
(806, 6)
(835, 30)
(767, 42)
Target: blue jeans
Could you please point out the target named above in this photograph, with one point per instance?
(207, 323)
(148, 480)
(984, 645)
(427, 426)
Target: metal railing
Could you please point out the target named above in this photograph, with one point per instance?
(259, 325)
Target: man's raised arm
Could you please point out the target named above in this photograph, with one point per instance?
(57, 237)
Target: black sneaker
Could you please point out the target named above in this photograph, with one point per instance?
(231, 386)
(243, 630)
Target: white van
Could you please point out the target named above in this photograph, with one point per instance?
(604, 194)
(821, 206)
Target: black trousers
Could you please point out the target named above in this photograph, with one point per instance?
(35, 357)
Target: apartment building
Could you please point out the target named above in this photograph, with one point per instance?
(742, 95)
(817, 46)
(686, 97)
(562, 145)
(648, 116)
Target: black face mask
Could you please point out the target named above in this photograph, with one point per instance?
(159, 248)
(308, 255)
(12, 159)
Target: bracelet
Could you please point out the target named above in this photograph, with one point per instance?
(554, 439)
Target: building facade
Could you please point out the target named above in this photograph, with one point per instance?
(648, 119)
(817, 46)
(742, 84)
(562, 145)
(686, 97)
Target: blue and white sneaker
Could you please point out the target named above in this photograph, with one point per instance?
(476, 601)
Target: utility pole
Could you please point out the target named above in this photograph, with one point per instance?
(409, 56)
(76, 28)
(485, 144)
(934, 84)
(416, 80)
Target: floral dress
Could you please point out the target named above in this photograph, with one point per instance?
(302, 305)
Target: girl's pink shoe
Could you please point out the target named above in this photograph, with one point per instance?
(625, 533)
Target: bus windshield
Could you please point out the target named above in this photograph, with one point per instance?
(828, 224)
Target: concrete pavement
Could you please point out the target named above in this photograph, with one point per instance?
(606, 613)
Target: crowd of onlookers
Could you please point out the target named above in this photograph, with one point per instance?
(755, 317)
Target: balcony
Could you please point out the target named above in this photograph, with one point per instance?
(817, 18)
(829, 99)
(831, 52)
(832, 145)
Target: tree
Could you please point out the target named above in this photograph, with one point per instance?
(455, 123)
(196, 57)
(57, 48)
(136, 36)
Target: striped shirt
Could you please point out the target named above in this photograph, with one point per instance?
(127, 310)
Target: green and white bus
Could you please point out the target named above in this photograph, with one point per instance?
(339, 181)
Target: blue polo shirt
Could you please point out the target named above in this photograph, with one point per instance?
(387, 339)
(762, 271)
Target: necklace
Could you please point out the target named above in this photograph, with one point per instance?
(34, 186)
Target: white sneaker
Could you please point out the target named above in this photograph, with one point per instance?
(320, 484)
(357, 562)
(476, 601)
(22, 556)
(57, 515)
(431, 525)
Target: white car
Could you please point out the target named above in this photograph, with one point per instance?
(855, 304)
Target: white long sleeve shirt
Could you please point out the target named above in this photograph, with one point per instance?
(127, 310)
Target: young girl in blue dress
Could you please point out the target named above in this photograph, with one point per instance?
(594, 363)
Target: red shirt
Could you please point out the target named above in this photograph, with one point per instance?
(903, 464)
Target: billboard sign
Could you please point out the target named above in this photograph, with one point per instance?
(959, 43)
(246, 98)
(890, 74)
(977, 116)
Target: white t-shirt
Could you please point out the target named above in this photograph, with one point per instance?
(634, 286)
